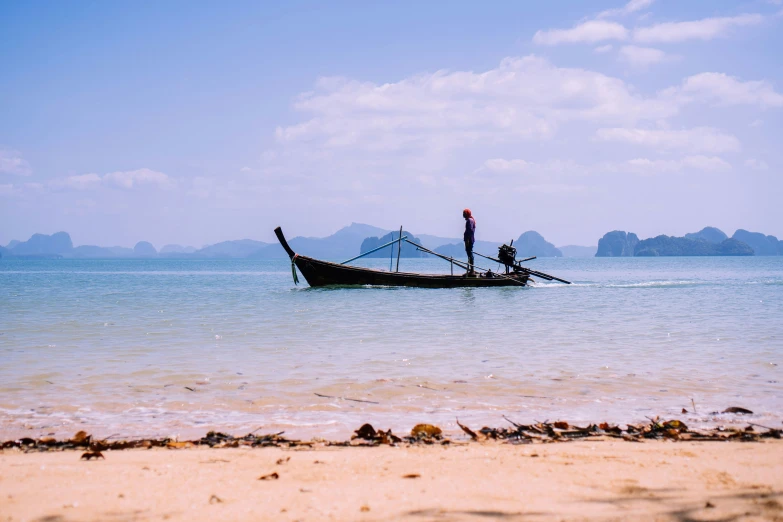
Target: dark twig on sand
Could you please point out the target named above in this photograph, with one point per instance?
(345, 398)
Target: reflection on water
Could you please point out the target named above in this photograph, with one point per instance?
(160, 347)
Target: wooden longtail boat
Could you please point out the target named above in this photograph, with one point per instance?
(324, 273)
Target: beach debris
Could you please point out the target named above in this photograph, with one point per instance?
(189, 388)
(269, 476)
(215, 439)
(426, 431)
(674, 429)
(411, 476)
(675, 425)
(179, 445)
(81, 438)
(214, 499)
(345, 398)
(472, 434)
(364, 509)
(282, 461)
(367, 433)
(737, 410)
(87, 455)
(212, 439)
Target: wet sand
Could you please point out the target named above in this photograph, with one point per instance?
(587, 480)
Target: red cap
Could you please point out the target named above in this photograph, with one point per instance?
(466, 213)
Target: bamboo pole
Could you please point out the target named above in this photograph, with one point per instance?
(375, 249)
(460, 263)
(542, 275)
(399, 250)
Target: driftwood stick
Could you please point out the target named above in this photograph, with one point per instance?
(518, 426)
(765, 427)
(345, 398)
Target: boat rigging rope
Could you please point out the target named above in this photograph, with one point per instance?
(293, 269)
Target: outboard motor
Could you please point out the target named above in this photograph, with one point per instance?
(507, 255)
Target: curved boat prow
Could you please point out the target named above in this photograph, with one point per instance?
(284, 243)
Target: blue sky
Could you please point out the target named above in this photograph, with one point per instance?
(193, 123)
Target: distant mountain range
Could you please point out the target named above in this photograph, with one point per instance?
(356, 238)
(709, 241)
(342, 245)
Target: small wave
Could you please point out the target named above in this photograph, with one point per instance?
(541, 284)
(642, 284)
(656, 284)
(768, 282)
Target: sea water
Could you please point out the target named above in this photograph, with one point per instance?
(165, 347)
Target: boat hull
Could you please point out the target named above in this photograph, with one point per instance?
(323, 273)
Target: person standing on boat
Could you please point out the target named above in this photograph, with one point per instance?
(469, 237)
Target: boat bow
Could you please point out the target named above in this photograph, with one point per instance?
(284, 243)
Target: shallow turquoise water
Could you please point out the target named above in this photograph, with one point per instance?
(114, 345)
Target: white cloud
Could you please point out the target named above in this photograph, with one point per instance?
(121, 179)
(631, 7)
(549, 188)
(603, 49)
(503, 165)
(127, 179)
(711, 163)
(588, 32)
(7, 189)
(705, 29)
(642, 56)
(756, 164)
(699, 139)
(756, 123)
(722, 89)
(80, 182)
(12, 162)
(567, 173)
(521, 99)
(698, 162)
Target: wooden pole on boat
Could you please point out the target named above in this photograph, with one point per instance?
(399, 249)
(460, 263)
(528, 271)
(391, 254)
(374, 250)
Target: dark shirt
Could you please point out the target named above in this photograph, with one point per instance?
(470, 230)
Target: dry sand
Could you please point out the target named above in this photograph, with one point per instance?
(590, 480)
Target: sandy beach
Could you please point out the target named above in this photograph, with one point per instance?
(586, 480)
